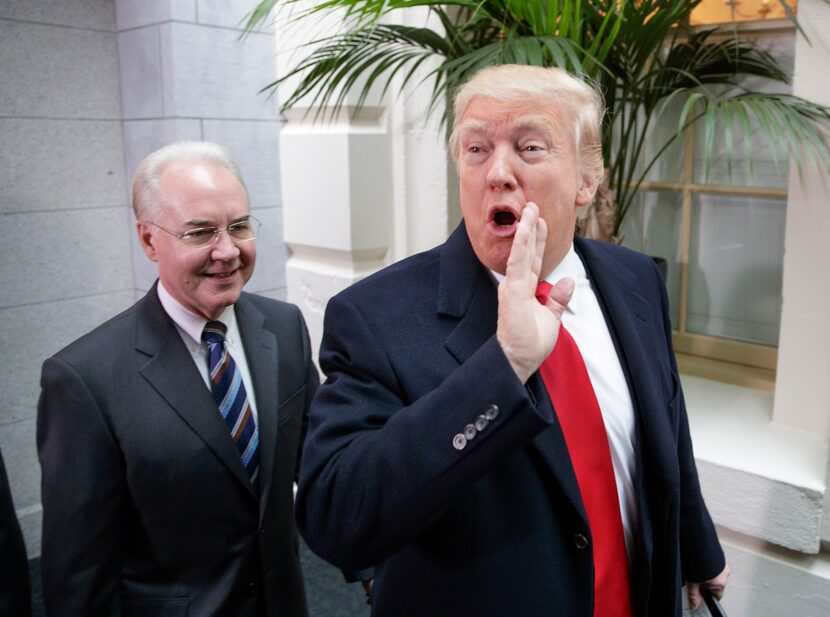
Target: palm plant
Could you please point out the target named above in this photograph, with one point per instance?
(642, 53)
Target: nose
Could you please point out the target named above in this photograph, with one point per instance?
(224, 249)
(501, 175)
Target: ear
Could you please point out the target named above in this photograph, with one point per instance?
(147, 238)
(586, 192)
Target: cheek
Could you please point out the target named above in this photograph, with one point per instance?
(248, 254)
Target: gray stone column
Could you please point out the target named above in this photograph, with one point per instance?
(65, 263)
(186, 73)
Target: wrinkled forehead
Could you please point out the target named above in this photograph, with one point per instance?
(488, 115)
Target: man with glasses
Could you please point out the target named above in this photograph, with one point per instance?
(169, 435)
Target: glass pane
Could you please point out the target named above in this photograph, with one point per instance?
(735, 267)
(652, 226)
(770, 168)
(662, 132)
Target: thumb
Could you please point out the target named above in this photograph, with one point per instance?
(693, 592)
(560, 294)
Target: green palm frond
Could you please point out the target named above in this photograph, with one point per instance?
(359, 59)
(642, 54)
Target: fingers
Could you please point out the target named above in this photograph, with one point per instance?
(693, 593)
(541, 239)
(528, 245)
(715, 585)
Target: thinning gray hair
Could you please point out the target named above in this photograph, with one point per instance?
(581, 102)
(147, 178)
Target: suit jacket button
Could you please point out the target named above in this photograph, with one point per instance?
(470, 432)
(492, 412)
(252, 588)
(482, 423)
(580, 541)
(459, 442)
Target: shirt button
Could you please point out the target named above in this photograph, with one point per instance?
(459, 442)
(470, 432)
(492, 412)
(580, 541)
(482, 423)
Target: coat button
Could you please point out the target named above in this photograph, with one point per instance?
(459, 442)
(492, 412)
(482, 423)
(470, 432)
(251, 588)
(580, 541)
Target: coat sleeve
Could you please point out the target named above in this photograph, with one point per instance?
(83, 490)
(701, 556)
(378, 469)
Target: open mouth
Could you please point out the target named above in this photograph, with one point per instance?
(503, 222)
(504, 218)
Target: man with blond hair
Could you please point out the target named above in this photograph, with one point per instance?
(169, 435)
(502, 431)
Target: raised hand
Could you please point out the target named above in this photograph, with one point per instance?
(526, 329)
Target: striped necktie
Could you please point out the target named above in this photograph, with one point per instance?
(231, 397)
(572, 394)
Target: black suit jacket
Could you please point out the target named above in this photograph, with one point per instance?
(147, 507)
(490, 529)
(15, 593)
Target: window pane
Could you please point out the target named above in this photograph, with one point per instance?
(766, 171)
(735, 267)
(662, 132)
(652, 226)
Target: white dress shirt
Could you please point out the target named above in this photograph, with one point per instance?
(191, 326)
(584, 320)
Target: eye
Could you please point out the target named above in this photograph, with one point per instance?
(242, 229)
(473, 149)
(532, 148)
(202, 234)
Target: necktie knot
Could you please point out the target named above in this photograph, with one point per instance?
(542, 291)
(214, 332)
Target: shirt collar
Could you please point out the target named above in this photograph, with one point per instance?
(570, 266)
(190, 323)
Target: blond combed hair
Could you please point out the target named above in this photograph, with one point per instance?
(580, 101)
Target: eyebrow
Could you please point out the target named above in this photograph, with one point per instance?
(206, 223)
(535, 123)
(472, 126)
(526, 123)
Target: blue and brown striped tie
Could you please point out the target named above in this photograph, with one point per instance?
(231, 397)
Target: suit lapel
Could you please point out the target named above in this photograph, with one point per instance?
(467, 292)
(627, 315)
(170, 370)
(262, 353)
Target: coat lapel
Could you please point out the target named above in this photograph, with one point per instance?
(468, 293)
(171, 372)
(627, 314)
(262, 353)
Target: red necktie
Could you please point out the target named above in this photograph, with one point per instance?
(569, 387)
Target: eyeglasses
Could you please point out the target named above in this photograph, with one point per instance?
(203, 237)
